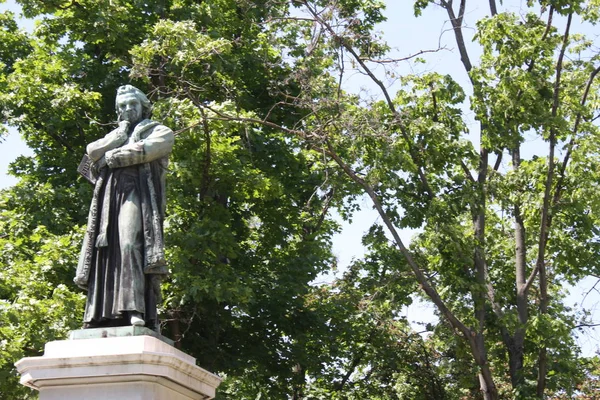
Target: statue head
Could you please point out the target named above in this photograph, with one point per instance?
(132, 104)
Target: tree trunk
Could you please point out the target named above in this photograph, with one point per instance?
(516, 347)
(486, 382)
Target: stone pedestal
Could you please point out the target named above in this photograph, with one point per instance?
(117, 365)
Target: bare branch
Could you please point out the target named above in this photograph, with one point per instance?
(289, 18)
(585, 326)
(96, 122)
(589, 291)
(279, 103)
(397, 60)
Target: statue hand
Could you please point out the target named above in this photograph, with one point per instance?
(101, 163)
(124, 125)
(120, 134)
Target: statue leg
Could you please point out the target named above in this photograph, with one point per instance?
(131, 244)
(153, 298)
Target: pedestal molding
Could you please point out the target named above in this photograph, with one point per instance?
(149, 361)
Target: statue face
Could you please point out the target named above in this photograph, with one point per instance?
(129, 108)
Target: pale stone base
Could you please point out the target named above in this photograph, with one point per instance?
(124, 368)
(120, 331)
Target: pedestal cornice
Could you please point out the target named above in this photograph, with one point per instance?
(130, 362)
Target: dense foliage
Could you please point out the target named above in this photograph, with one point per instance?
(270, 143)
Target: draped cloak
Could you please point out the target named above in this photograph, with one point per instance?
(117, 282)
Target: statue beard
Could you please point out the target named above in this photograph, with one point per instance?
(132, 123)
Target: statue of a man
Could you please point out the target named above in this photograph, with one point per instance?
(122, 260)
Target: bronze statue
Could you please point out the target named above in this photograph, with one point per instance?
(122, 260)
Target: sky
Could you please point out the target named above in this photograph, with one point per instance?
(406, 35)
(11, 146)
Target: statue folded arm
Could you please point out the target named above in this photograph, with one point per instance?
(112, 140)
(157, 145)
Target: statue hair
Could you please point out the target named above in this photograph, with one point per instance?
(146, 105)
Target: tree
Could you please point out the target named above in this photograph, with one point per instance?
(247, 227)
(269, 142)
(496, 241)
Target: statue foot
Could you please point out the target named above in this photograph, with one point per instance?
(136, 320)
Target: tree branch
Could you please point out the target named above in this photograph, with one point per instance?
(315, 141)
(585, 326)
(531, 278)
(526, 286)
(461, 11)
(457, 26)
(479, 222)
(563, 167)
(589, 291)
(498, 161)
(546, 219)
(397, 60)
(357, 359)
(544, 224)
(421, 279)
(342, 40)
(467, 172)
(493, 9)
(207, 156)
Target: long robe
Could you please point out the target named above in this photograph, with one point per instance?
(122, 257)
